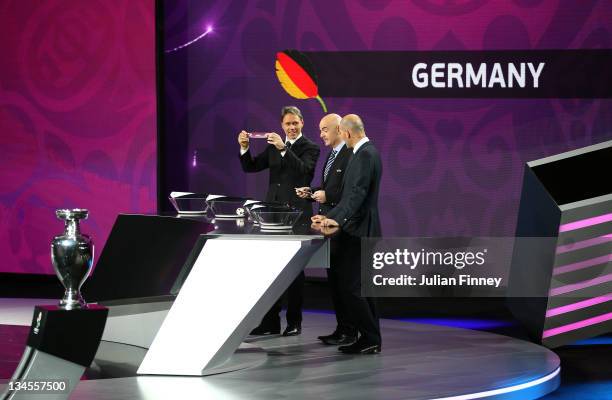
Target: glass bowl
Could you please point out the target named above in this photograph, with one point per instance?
(249, 204)
(275, 217)
(227, 207)
(189, 203)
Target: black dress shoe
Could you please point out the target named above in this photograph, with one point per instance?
(339, 339)
(292, 330)
(323, 338)
(263, 330)
(360, 348)
(336, 335)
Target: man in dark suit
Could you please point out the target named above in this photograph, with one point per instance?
(357, 216)
(291, 163)
(328, 196)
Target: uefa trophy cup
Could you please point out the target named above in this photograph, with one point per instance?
(72, 255)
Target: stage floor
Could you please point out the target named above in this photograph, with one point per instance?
(418, 361)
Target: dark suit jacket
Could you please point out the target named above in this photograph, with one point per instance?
(333, 184)
(357, 212)
(295, 169)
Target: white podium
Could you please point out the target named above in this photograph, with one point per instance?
(232, 283)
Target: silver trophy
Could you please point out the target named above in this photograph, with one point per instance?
(72, 255)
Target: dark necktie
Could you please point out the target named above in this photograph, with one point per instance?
(330, 161)
(287, 145)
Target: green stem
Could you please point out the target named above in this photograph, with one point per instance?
(322, 103)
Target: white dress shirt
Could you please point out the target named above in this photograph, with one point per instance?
(360, 143)
(338, 148)
(292, 141)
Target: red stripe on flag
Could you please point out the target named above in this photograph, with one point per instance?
(300, 78)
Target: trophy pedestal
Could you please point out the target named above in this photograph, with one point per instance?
(61, 345)
(73, 335)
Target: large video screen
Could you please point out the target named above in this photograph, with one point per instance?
(457, 96)
(77, 121)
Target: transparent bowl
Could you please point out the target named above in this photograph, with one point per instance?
(249, 204)
(194, 203)
(228, 207)
(276, 217)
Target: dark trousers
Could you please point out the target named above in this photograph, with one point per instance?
(295, 300)
(294, 294)
(361, 311)
(343, 322)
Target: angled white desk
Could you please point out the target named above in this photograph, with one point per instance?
(233, 276)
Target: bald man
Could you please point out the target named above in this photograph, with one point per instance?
(328, 196)
(357, 216)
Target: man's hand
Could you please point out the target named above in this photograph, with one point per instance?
(275, 139)
(328, 222)
(303, 192)
(325, 230)
(317, 219)
(319, 196)
(243, 140)
(323, 220)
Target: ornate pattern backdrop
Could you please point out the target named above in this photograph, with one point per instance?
(451, 167)
(77, 120)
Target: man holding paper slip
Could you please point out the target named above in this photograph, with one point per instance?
(328, 196)
(291, 163)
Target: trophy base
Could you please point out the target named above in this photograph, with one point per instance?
(72, 306)
(72, 303)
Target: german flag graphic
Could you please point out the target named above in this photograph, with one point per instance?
(297, 76)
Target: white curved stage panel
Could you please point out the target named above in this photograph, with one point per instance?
(418, 361)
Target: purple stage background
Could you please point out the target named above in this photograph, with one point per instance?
(77, 120)
(451, 166)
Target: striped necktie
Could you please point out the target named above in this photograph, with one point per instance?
(330, 161)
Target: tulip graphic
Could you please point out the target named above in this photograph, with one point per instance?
(296, 75)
